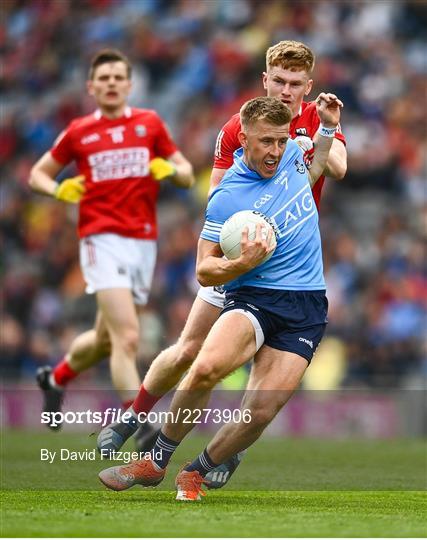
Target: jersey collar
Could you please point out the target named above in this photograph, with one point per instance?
(127, 113)
(240, 166)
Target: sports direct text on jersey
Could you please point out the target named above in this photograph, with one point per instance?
(119, 164)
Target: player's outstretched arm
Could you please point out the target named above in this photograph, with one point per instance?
(176, 168)
(42, 180)
(329, 111)
(336, 166)
(213, 269)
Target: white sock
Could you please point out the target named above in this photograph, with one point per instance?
(54, 384)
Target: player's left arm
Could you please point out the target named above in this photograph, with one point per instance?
(329, 111)
(176, 168)
(336, 166)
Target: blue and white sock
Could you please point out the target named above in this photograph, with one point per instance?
(163, 450)
(203, 464)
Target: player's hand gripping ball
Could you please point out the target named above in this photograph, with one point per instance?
(231, 232)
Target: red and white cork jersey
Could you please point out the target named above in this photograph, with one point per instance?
(114, 157)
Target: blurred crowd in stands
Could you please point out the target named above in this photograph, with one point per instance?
(196, 62)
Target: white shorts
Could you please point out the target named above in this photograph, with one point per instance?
(212, 295)
(110, 261)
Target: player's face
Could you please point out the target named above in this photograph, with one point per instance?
(289, 86)
(263, 145)
(110, 86)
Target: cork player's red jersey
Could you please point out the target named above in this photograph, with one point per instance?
(305, 123)
(114, 157)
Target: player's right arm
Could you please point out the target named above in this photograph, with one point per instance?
(43, 174)
(42, 180)
(213, 269)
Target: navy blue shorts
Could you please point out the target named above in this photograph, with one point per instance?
(292, 321)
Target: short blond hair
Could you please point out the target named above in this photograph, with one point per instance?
(292, 55)
(270, 109)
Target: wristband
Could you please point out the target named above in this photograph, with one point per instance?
(327, 132)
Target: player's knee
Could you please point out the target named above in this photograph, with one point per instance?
(203, 375)
(260, 418)
(186, 354)
(128, 340)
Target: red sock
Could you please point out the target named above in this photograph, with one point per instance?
(127, 404)
(144, 401)
(63, 373)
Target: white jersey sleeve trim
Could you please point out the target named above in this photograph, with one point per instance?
(211, 231)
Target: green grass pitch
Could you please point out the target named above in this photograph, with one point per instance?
(284, 488)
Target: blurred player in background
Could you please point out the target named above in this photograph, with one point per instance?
(276, 312)
(121, 154)
(289, 67)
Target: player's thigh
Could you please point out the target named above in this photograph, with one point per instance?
(142, 255)
(200, 320)
(229, 344)
(103, 260)
(118, 310)
(274, 377)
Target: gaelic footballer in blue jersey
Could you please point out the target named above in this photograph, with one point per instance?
(290, 209)
(274, 312)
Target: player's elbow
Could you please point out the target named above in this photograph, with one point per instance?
(340, 170)
(204, 278)
(337, 166)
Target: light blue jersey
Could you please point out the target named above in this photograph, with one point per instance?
(287, 201)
